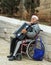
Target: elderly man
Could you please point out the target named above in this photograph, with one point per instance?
(30, 35)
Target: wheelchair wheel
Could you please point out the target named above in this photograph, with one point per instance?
(19, 56)
(31, 46)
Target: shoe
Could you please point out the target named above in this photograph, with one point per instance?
(12, 58)
(9, 56)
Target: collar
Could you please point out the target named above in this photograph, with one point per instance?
(33, 23)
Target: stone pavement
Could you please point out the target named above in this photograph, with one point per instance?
(4, 51)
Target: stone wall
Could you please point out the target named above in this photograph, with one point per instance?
(6, 29)
(46, 37)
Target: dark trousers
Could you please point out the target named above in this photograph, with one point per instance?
(13, 45)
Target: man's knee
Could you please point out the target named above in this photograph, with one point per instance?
(20, 42)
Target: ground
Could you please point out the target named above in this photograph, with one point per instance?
(4, 51)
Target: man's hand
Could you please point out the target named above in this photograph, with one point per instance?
(24, 31)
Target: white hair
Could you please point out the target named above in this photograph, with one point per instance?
(34, 16)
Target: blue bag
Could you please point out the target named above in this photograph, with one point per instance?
(39, 53)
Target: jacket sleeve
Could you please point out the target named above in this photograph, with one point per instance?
(31, 34)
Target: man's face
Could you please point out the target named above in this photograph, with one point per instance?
(33, 20)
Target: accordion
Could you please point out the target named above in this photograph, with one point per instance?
(19, 35)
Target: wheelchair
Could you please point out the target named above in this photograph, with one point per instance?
(28, 48)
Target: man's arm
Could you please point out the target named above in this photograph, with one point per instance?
(31, 34)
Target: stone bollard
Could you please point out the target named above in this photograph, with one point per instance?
(5, 33)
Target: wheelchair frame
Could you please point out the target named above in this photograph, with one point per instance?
(28, 46)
